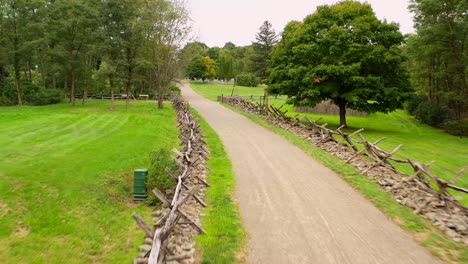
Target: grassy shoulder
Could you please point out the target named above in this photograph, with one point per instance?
(225, 238)
(421, 229)
(66, 179)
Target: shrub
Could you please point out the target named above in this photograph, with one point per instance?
(157, 175)
(247, 80)
(457, 128)
(174, 89)
(413, 103)
(431, 114)
(8, 94)
(44, 96)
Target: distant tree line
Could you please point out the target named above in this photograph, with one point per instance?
(438, 63)
(249, 63)
(77, 47)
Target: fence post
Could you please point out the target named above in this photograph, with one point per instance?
(266, 102)
(222, 98)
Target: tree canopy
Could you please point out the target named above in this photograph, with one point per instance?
(341, 53)
(55, 44)
(438, 53)
(201, 67)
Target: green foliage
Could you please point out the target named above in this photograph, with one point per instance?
(174, 89)
(457, 128)
(248, 79)
(7, 93)
(431, 114)
(201, 68)
(44, 96)
(225, 64)
(342, 53)
(438, 53)
(266, 38)
(63, 44)
(160, 159)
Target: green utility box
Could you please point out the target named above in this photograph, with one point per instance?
(139, 184)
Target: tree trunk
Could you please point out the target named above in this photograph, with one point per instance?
(342, 105)
(72, 94)
(111, 84)
(85, 94)
(128, 86)
(54, 81)
(29, 71)
(160, 103)
(18, 86)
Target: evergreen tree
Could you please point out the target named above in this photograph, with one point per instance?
(266, 38)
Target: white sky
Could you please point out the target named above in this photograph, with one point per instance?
(219, 21)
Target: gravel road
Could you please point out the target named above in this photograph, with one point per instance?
(295, 209)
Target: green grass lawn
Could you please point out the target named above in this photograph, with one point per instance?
(420, 142)
(66, 179)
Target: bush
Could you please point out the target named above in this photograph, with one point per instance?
(431, 114)
(457, 128)
(413, 103)
(247, 80)
(428, 113)
(44, 96)
(8, 94)
(5, 101)
(174, 89)
(157, 175)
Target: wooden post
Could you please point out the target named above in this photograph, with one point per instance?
(266, 102)
(222, 98)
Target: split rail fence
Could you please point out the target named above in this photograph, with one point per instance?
(423, 191)
(190, 186)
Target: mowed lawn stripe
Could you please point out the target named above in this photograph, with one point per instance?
(66, 188)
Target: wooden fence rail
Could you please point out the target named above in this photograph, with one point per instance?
(194, 154)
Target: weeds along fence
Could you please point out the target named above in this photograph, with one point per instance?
(428, 195)
(175, 224)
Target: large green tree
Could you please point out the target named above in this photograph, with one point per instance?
(201, 67)
(438, 53)
(341, 53)
(74, 26)
(168, 30)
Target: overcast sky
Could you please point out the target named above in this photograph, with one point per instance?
(219, 21)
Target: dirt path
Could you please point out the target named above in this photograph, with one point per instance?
(296, 210)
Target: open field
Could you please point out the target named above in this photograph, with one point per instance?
(66, 180)
(420, 142)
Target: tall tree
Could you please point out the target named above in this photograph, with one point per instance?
(122, 37)
(266, 38)
(74, 24)
(438, 53)
(14, 37)
(345, 54)
(169, 29)
(225, 64)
